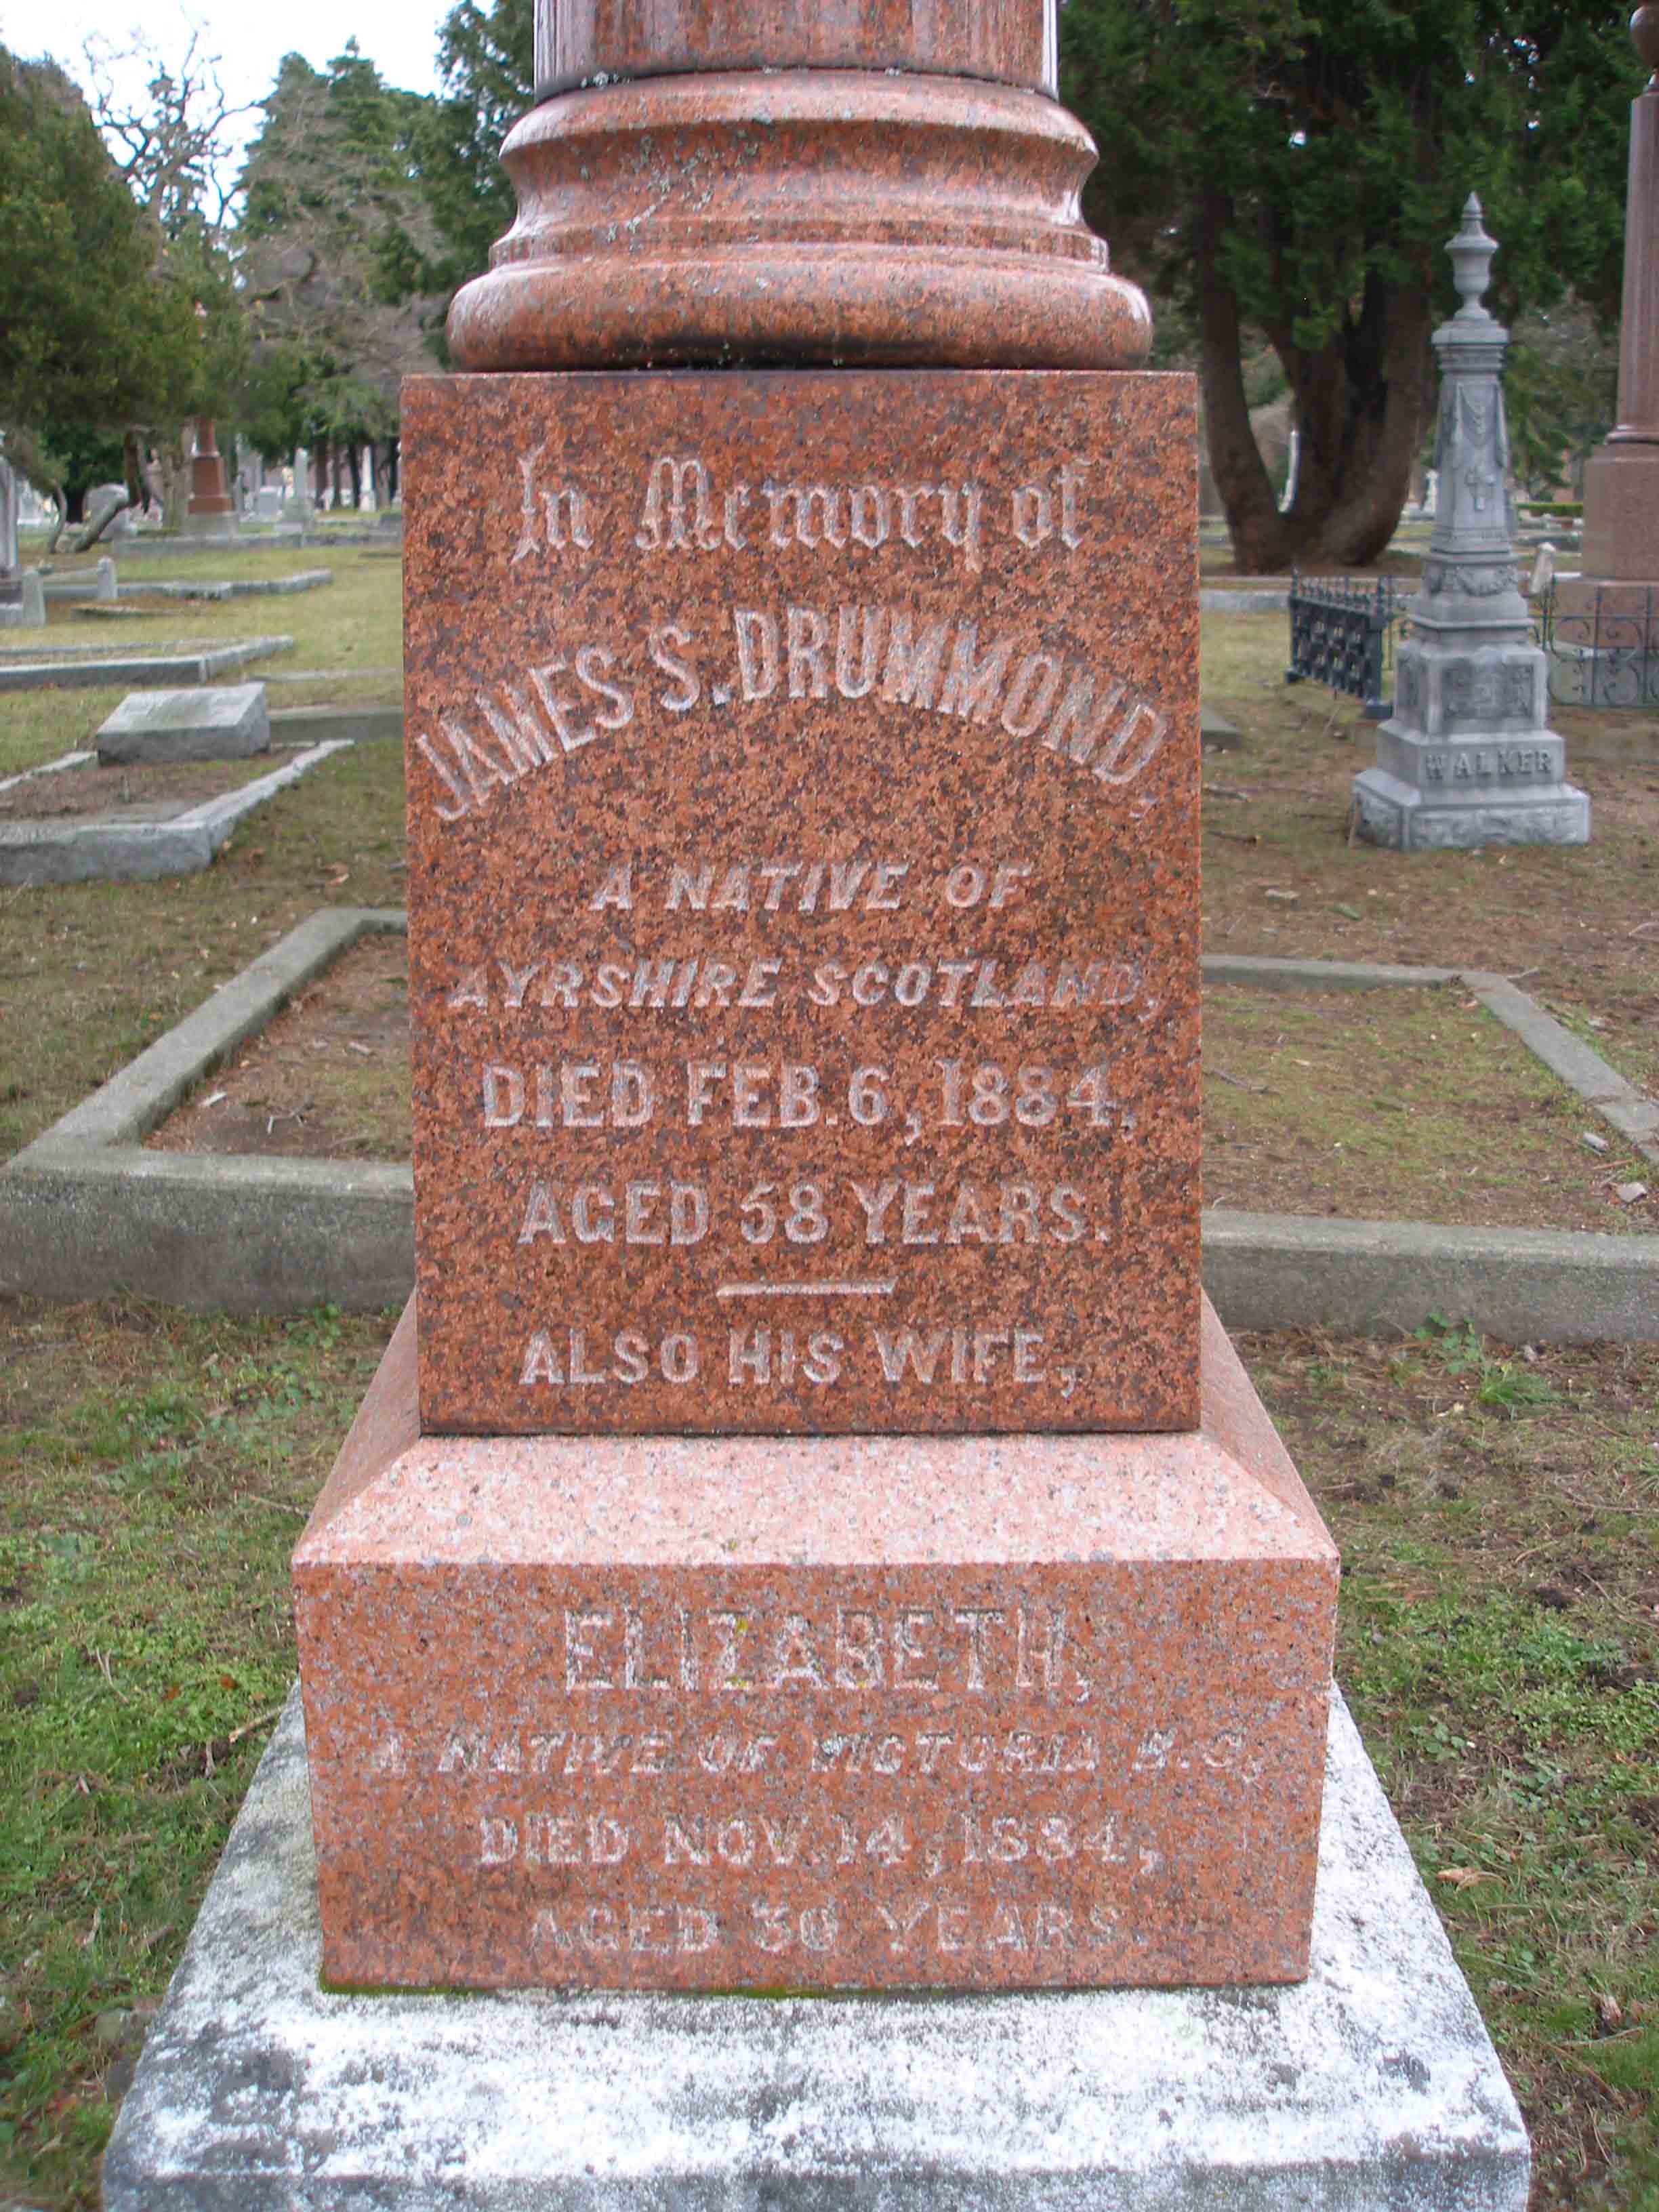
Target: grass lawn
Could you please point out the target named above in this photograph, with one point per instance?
(1498, 1514)
(352, 625)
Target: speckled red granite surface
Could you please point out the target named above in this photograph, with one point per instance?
(840, 216)
(803, 785)
(577, 40)
(835, 1713)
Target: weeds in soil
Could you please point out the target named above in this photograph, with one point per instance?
(1498, 1640)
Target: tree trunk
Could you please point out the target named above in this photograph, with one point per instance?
(393, 463)
(354, 468)
(90, 536)
(1362, 404)
(175, 482)
(1254, 522)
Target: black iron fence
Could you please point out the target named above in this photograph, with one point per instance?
(1603, 644)
(1342, 634)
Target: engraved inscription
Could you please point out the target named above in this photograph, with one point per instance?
(801, 941)
(684, 508)
(1007, 686)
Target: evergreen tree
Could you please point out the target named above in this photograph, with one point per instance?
(1285, 171)
(100, 335)
(487, 64)
(329, 245)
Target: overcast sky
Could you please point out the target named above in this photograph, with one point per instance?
(249, 38)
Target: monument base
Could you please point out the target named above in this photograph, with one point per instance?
(1371, 2084)
(1621, 512)
(838, 1712)
(1396, 813)
(1604, 646)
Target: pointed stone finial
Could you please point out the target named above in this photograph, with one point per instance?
(1471, 253)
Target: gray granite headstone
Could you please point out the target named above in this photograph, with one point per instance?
(101, 498)
(8, 519)
(222, 721)
(1467, 759)
(27, 609)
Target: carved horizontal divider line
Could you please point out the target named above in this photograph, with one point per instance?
(86, 1210)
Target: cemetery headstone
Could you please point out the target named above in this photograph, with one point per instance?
(1466, 758)
(1621, 477)
(28, 609)
(111, 498)
(211, 512)
(227, 721)
(10, 588)
(1606, 640)
(803, 943)
(803, 1531)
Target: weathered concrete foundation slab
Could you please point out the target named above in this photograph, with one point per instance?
(1372, 2084)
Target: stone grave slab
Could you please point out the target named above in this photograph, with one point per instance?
(803, 788)
(850, 1712)
(220, 721)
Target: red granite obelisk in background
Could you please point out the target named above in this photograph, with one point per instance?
(1621, 477)
(806, 1530)
(1610, 610)
(211, 512)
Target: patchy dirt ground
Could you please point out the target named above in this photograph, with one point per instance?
(1497, 1514)
(1411, 1104)
(72, 793)
(327, 1079)
(1579, 925)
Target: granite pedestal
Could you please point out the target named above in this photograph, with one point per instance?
(834, 1712)
(1372, 2087)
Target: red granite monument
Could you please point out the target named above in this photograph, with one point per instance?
(1608, 615)
(211, 512)
(806, 1530)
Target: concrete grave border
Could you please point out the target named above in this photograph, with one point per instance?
(96, 848)
(85, 665)
(86, 1210)
(80, 587)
